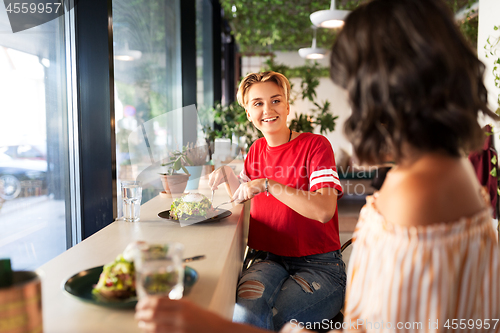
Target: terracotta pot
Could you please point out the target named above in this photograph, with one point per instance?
(174, 183)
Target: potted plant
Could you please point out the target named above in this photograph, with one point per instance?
(173, 181)
(197, 157)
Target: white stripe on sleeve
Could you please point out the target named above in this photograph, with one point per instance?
(323, 172)
(324, 180)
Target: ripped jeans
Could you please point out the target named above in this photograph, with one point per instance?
(276, 290)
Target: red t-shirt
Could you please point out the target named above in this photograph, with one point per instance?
(305, 163)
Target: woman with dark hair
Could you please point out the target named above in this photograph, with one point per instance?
(425, 250)
(425, 255)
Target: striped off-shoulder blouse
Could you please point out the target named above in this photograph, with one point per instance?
(434, 278)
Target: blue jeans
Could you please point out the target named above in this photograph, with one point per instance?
(276, 290)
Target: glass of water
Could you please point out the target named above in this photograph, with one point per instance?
(131, 196)
(159, 270)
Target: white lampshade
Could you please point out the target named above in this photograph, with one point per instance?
(312, 52)
(332, 18)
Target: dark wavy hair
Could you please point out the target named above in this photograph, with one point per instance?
(411, 79)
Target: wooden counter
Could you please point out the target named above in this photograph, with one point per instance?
(222, 243)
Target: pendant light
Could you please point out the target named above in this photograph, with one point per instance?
(331, 19)
(312, 52)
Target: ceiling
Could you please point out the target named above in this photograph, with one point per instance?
(279, 25)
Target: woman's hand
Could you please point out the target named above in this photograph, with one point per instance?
(224, 174)
(220, 176)
(160, 314)
(289, 328)
(248, 190)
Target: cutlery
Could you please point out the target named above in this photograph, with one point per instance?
(193, 258)
(212, 198)
(224, 203)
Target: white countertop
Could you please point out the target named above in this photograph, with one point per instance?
(222, 243)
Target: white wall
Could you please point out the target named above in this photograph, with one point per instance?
(489, 16)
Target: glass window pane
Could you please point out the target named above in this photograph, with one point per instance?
(148, 119)
(33, 143)
(204, 65)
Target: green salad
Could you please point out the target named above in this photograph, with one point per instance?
(117, 279)
(190, 205)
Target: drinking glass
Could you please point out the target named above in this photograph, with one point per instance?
(159, 270)
(131, 195)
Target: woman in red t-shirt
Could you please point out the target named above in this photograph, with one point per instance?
(292, 181)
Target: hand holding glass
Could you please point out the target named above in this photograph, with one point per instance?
(159, 271)
(131, 195)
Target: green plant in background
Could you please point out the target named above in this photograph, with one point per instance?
(492, 48)
(230, 120)
(177, 160)
(320, 116)
(277, 25)
(468, 26)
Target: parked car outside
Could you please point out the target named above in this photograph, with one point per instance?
(22, 168)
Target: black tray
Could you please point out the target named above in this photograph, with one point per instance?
(81, 284)
(212, 216)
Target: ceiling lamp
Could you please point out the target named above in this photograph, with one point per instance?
(312, 52)
(332, 18)
(127, 55)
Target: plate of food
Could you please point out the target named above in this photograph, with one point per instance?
(113, 285)
(193, 208)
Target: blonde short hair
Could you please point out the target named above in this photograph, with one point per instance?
(253, 78)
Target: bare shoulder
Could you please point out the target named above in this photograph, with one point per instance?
(435, 191)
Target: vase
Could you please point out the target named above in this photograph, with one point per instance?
(194, 179)
(175, 183)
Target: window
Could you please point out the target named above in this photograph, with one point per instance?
(148, 89)
(34, 144)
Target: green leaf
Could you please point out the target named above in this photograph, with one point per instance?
(493, 172)
(177, 165)
(494, 160)
(189, 162)
(184, 169)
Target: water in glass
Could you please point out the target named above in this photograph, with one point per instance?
(131, 195)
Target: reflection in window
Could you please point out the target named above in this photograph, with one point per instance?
(148, 86)
(204, 65)
(33, 148)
